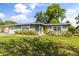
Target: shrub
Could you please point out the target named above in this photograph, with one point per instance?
(67, 34)
(26, 32)
(52, 33)
(29, 46)
(56, 33)
(72, 29)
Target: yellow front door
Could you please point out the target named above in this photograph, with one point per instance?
(45, 28)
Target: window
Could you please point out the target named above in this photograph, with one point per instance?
(64, 26)
(25, 27)
(56, 28)
(17, 26)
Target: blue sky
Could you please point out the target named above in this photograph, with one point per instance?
(24, 13)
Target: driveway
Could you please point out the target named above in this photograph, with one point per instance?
(3, 34)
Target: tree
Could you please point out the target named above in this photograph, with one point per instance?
(53, 21)
(54, 11)
(72, 29)
(41, 17)
(1, 22)
(68, 22)
(9, 22)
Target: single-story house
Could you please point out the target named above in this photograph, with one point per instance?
(40, 28)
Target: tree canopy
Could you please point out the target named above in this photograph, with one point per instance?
(68, 22)
(7, 22)
(53, 12)
(53, 21)
(41, 17)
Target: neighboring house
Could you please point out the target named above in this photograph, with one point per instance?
(40, 28)
(77, 28)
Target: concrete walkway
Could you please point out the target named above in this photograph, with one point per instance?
(3, 34)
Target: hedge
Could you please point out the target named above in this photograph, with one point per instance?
(26, 32)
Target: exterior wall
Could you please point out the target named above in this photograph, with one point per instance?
(38, 28)
(42, 31)
(32, 27)
(6, 29)
(12, 29)
(50, 28)
(64, 28)
(0, 29)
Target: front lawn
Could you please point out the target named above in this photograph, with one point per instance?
(10, 37)
(67, 41)
(39, 45)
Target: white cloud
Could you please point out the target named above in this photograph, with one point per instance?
(72, 12)
(19, 18)
(22, 19)
(70, 15)
(33, 5)
(2, 15)
(21, 8)
(24, 8)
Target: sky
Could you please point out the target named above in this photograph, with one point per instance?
(24, 13)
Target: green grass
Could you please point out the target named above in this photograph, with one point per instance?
(67, 41)
(9, 37)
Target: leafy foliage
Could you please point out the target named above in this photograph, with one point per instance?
(53, 21)
(52, 14)
(9, 22)
(41, 17)
(37, 46)
(26, 32)
(68, 22)
(72, 29)
(54, 11)
(1, 23)
(67, 34)
(59, 33)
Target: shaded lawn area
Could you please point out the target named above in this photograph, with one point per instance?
(66, 41)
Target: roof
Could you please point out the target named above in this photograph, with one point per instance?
(58, 24)
(34, 24)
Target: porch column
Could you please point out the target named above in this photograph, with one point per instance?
(39, 29)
